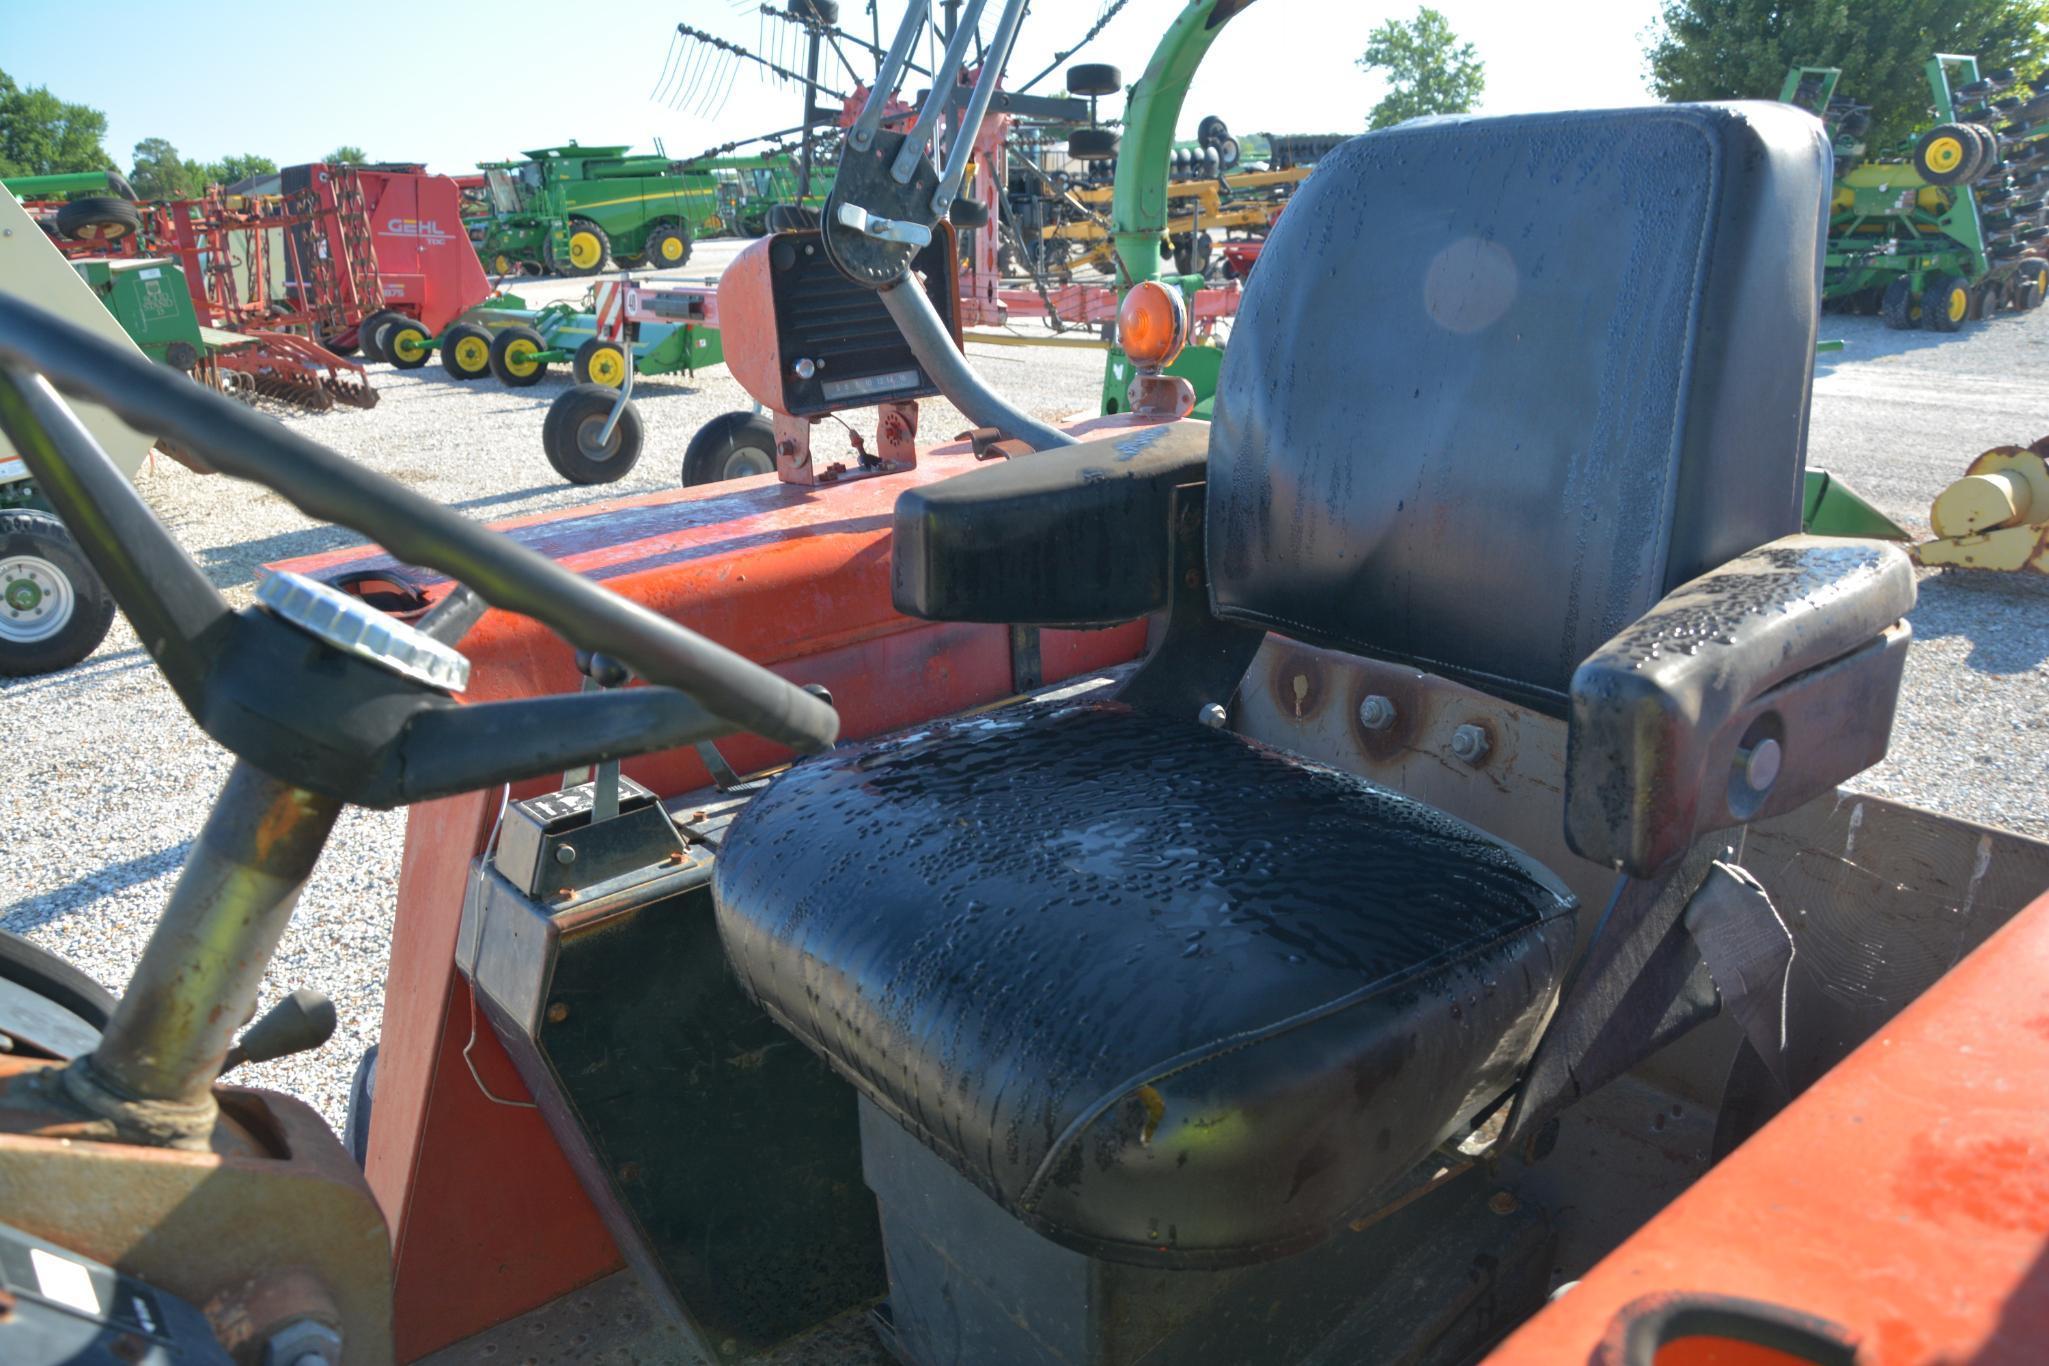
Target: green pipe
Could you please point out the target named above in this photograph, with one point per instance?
(69, 182)
(1138, 201)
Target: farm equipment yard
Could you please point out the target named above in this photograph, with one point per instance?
(98, 843)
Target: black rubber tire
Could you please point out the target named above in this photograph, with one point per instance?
(50, 977)
(1897, 307)
(1947, 154)
(1228, 153)
(789, 218)
(726, 442)
(1211, 131)
(338, 347)
(1092, 144)
(968, 214)
(1192, 253)
(368, 333)
(580, 364)
(362, 1098)
(659, 243)
(568, 436)
(1992, 151)
(388, 342)
(99, 218)
(1945, 304)
(2030, 280)
(29, 533)
(1093, 79)
(504, 361)
(466, 362)
(568, 269)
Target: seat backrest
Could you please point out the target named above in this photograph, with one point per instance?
(1498, 384)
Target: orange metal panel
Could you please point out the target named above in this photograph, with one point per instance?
(1904, 1198)
(488, 1219)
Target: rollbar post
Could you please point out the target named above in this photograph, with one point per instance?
(863, 133)
(993, 62)
(943, 81)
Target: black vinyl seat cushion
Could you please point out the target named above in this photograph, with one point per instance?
(1167, 995)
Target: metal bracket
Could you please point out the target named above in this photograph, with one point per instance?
(884, 229)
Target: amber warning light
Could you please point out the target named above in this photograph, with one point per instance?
(1152, 325)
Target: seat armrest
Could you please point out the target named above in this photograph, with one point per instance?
(1074, 536)
(1744, 693)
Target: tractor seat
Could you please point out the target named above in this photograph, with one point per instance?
(1160, 992)
(1171, 997)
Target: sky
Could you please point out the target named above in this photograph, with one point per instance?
(456, 82)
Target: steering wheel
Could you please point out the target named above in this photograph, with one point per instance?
(369, 717)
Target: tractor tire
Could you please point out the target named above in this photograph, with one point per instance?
(569, 435)
(1945, 304)
(1092, 79)
(1947, 154)
(466, 351)
(600, 362)
(1211, 131)
(334, 344)
(1991, 299)
(370, 333)
(514, 357)
(588, 250)
(1993, 151)
(1092, 144)
(730, 446)
(99, 218)
(2030, 281)
(1228, 153)
(1897, 307)
(35, 968)
(668, 249)
(54, 609)
(405, 343)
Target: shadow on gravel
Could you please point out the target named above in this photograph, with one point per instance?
(1867, 339)
(2005, 617)
(55, 904)
(493, 499)
(231, 566)
(91, 670)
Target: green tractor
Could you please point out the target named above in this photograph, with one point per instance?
(567, 210)
(1946, 229)
(750, 188)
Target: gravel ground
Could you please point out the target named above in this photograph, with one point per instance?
(109, 779)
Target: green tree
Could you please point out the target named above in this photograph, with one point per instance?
(43, 135)
(1427, 69)
(160, 173)
(228, 170)
(1742, 49)
(345, 155)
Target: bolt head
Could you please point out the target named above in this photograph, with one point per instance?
(1761, 764)
(806, 367)
(565, 854)
(1212, 715)
(1376, 712)
(1470, 744)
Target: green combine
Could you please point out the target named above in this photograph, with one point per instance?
(567, 210)
(1947, 228)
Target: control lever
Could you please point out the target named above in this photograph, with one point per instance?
(299, 1023)
(882, 229)
(600, 672)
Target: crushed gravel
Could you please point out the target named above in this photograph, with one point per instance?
(108, 779)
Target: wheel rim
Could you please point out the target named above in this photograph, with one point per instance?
(405, 343)
(587, 443)
(37, 597)
(607, 367)
(1959, 304)
(747, 460)
(519, 358)
(672, 249)
(473, 354)
(501, 264)
(1945, 154)
(583, 250)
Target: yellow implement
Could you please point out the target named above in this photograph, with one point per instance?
(1996, 516)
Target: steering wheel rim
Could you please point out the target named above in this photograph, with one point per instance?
(328, 487)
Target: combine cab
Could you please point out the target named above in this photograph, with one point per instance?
(1293, 888)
